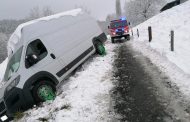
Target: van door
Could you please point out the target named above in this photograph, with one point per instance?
(46, 61)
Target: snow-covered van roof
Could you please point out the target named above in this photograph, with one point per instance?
(16, 36)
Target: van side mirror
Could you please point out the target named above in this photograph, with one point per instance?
(31, 60)
(108, 27)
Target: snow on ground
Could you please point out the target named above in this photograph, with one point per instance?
(84, 97)
(176, 64)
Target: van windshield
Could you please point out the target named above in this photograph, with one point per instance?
(13, 64)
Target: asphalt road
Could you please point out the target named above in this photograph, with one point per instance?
(142, 93)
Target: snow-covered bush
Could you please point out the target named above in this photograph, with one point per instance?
(3, 47)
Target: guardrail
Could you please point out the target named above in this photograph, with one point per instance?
(150, 37)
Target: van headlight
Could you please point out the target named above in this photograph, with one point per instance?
(4, 118)
(13, 83)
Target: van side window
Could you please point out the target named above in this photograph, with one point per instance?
(37, 48)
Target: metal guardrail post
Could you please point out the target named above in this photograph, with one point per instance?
(172, 40)
(138, 32)
(150, 33)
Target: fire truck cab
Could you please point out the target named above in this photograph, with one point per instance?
(118, 29)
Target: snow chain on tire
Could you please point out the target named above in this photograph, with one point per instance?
(100, 49)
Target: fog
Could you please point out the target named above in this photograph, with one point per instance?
(18, 9)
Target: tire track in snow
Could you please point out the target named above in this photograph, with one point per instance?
(140, 94)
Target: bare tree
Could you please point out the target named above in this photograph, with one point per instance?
(118, 8)
(108, 18)
(3, 46)
(147, 8)
(34, 13)
(138, 11)
(47, 11)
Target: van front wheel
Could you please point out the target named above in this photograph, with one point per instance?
(44, 91)
(100, 49)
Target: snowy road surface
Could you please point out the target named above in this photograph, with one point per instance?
(142, 93)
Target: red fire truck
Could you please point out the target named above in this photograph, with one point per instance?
(118, 29)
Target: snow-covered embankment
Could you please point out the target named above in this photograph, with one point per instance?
(175, 64)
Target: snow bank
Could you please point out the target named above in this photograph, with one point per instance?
(84, 97)
(175, 64)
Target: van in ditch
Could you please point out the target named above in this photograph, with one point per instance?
(42, 53)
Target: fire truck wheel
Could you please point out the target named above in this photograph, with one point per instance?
(128, 37)
(112, 40)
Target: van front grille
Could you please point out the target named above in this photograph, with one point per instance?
(2, 106)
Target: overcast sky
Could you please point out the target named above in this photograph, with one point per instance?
(18, 9)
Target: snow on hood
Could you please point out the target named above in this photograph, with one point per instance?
(16, 36)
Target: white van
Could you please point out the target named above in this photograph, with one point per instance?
(41, 53)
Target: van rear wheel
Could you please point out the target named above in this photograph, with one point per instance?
(100, 49)
(44, 91)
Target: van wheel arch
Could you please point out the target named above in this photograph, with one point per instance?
(29, 84)
(43, 78)
(96, 40)
(39, 76)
